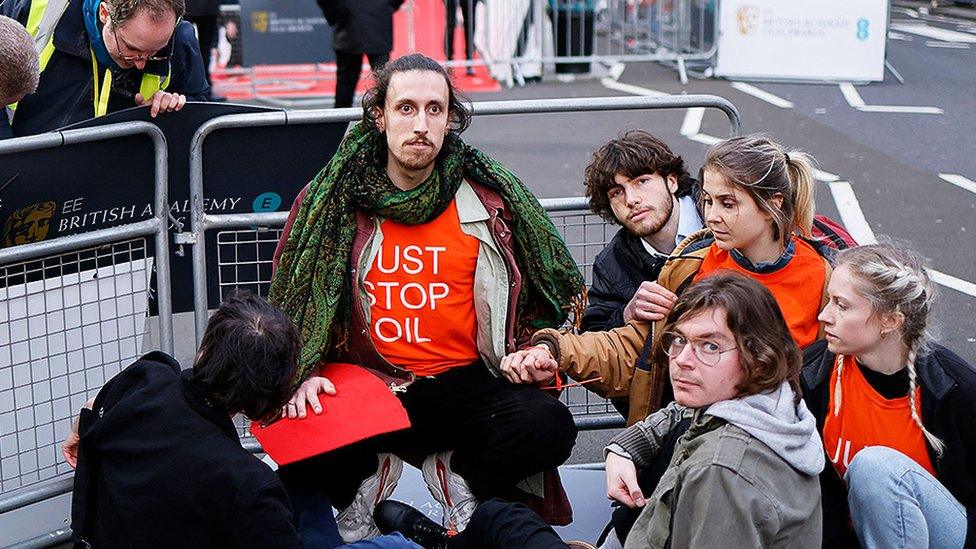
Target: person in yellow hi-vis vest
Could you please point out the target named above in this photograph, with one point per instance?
(101, 56)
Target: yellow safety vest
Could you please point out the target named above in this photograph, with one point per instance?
(43, 19)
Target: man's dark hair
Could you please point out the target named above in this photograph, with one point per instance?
(375, 99)
(634, 153)
(248, 356)
(767, 353)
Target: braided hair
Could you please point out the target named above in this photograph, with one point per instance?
(894, 280)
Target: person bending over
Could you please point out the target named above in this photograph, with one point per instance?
(159, 462)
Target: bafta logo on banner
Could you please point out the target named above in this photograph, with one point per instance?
(28, 224)
(259, 21)
(748, 18)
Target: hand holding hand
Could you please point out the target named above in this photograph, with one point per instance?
(530, 365)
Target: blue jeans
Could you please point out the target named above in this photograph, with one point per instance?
(895, 503)
(389, 541)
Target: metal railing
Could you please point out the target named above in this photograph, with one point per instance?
(71, 315)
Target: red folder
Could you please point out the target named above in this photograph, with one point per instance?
(362, 407)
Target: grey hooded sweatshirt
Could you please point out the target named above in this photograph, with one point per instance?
(745, 474)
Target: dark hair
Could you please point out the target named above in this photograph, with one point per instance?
(248, 356)
(458, 106)
(123, 10)
(767, 353)
(634, 153)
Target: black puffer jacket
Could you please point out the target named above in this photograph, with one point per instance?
(361, 26)
(948, 386)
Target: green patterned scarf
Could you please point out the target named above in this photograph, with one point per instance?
(312, 283)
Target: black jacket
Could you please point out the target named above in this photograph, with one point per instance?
(65, 93)
(948, 389)
(160, 466)
(361, 26)
(618, 271)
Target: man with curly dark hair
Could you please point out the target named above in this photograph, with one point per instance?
(425, 261)
(637, 182)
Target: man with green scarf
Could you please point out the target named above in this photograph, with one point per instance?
(424, 260)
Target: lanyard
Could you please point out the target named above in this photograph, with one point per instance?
(101, 99)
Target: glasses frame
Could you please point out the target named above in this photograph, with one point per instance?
(150, 58)
(695, 349)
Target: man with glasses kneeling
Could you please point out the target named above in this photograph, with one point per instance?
(745, 474)
(102, 56)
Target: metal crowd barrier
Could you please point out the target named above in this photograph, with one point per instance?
(519, 39)
(70, 310)
(585, 233)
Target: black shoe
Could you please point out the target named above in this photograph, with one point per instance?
(393, 516)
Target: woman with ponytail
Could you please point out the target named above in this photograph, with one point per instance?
(758, 207)
(897, 413)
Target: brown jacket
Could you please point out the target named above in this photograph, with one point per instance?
(622, 356)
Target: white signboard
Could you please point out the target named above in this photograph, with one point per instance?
(802, 39)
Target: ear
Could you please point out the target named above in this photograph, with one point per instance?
(672, 183)
(103, 13)
(380, 121)
(777, 201)
(893, 322)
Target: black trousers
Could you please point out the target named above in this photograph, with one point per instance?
(467, 11)
(497, 523)
(500, 433)
(348, 67)
(207, 35)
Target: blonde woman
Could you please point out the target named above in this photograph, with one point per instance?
(896, 412)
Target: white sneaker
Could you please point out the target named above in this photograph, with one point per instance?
(356, 521)
(450, 490)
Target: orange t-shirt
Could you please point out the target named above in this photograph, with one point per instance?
(798, 287)
(421, 295)
(868, 419)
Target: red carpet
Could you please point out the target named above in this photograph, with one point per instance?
(308, 81)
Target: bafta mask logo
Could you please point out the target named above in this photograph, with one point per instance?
(28, 224)
(259, 21)
(748, 18)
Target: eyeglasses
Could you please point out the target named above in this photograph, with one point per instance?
(706, 351)
(130, 58)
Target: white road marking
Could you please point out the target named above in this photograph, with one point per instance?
(901, 109)
(693, 121)
(950, 281)
(947, 45)
(826, 177)
(937, 33)
(959, 181)
(851, 213)
(854, 100)
(703, 138)
(899, 36)
(856, 224)
(630, 88)
(850, 95)
(763, 95)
